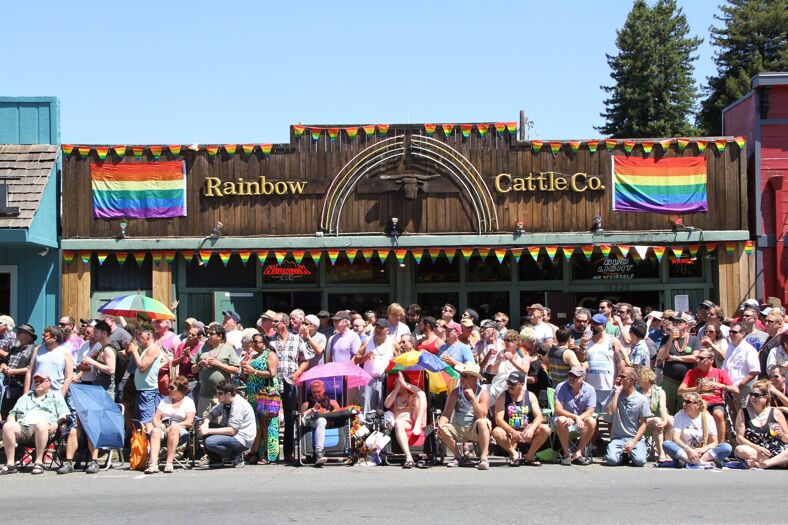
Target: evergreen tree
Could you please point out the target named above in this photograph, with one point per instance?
(752, 39)
(654, 90)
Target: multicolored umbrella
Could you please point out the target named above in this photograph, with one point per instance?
(442, 377)
(133, 305)
(356, 376)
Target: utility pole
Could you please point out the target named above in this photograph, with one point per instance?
(522, 125)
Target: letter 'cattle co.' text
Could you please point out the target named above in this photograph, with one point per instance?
(548, 181)
(215, 187)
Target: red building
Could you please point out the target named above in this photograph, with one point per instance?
(762, 117)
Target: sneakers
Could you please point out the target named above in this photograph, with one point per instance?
(93, 468)
(582, 460)
(320, 458)
(67, 468)
(238, 461)
(567, 461)
(680, 463)
(204, 463)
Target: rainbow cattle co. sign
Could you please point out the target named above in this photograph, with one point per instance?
(215, 187)
(548, 181)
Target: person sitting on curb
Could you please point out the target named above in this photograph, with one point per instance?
(230, 428)
(466, 408)
(630, 410)
(519, 420)
(36, 416)
(694, 440)
(575, 403)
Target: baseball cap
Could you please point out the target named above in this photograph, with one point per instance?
(536, 306)
(751, 303)
(235, 316)
(341, 315)
(323, 313)
(515, 378)
(466, 322)
(706, 304)
(43, 375)
(599, 319)
(577, 371)
(487, 323)
(384, 323)
(765, 311)
(453, 326)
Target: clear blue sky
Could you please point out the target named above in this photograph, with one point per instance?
(238, 72)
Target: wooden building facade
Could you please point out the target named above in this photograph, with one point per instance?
(484, 220)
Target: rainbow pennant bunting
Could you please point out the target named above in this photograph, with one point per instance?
(555, 147)
(665, 144)
(610, 144)
(175, 150)
(316, 132)
(624, 249)
(511, 127)
(730, 248)
(139, 257)
(588, 251)
(68, 257)
(482, 129)
(212, 151)
(137, 151)
(262, 255)
(280, 255)
(417, 255)
(568, 252)
(157, 257)
(659, 251)
(447, 129)
(629, 145)
(85, 257)
(367, 254)
(429, 129)
(693, 249)
(647, 146)
(231, 149)
(701, 144)
(400, 255)
(333, 255)
(248, 149)
(592, 145)
(450, 254)
(383, 255)
(351, 255)
(721, 145)
(101, 152)
(333, 133)
(605, 249)
(517, 253)
(351, 133)
(641, 252)
(101, 256)
(121, 257)
(711, 246)
(682, 144)
(552, 251)
(536, 145)
(298, 131)
(315, 255)
(84, 151)
(467, 253)
(67, 150)
(383, 129)
(500, 254)
(266, 149)
(224, 256)
(677, 251)
(298, 256)
(500, 128)
(748, 247)
(120, 151)
(465, 129)
(741, 142)
(574, 146)
(369, 131)
(534, 251)
(156, 151)
(205, 256)
(434, 253)
(169, 256)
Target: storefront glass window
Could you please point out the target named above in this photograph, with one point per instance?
(686, 266)
(615, 266)
(431, 303)
(216, 275)
(360, 272)
(288, 301)
(439, 271)
(359, 302)
(543, 269)
(487, 304)
(289, 272)
(488, 269)
(112, 276)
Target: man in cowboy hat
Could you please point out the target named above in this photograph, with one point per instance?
(464, 417)
(13, 366)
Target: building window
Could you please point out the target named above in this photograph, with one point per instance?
(488, 269)
(542, 269)
(615, 266)
(360, 272)
(440, 271)
(112, 276)
(216, 275)
(289, 272)
(686, 266)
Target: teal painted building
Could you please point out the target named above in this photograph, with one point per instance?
(29, 209)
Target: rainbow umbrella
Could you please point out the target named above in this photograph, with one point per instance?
(442, 377)
(134, 305)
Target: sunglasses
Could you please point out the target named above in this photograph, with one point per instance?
(63, 325)
(775, 377)
(212, 333)
(622, 376)
(498, 320)
(704, 358)
(757, 395)
(688, 402)
(734, 332)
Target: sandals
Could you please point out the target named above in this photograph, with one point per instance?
(461, 462)
(408, 464)
(168, 469)
(8, 469)
(484, 464)
(152, 469)
(38, 468)
(514, 460)
(533, 462)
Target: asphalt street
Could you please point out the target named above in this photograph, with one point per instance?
(354, 495)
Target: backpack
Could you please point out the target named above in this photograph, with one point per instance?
(138, 456)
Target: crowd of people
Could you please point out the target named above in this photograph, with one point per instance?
(703, 390)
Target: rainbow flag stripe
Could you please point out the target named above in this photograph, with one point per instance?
(139, 257)
(434, 253)
(101, 152)
(511, 127)
(450, 254)
(315, 132)
(682, 144)
(383, 255)
(568, 252)
(536, 145)
(465, 129)
(534, 251)
(629, 145)
(120, 151)
(225, 257)
(693, 249)
(701, 144)
(624, 249)
(447, 129)
(748, 247)
(369, 131)
(156, 151)
(280, 255)
(400, 255)
(175, 150)
(552, 251)
(500, 128)
(483, 252)
(467, 253)
(351, 255)
(647, 147)
(102, 256)
(266, 149)
(500, 255)
(85, 256)
(417, 255)
(482, 129)
(677, 251)
(665, 185)
(169, 256)
(730, 248)
(588, 251)
(351, 132)
(298, 131)
(121, 257)
(574, 146)
(333, 255)
(67, 150)
(333, 133)
(138, 190)
(429, 129)
(741, 142)
(659, 251)
(248, 149)
(230, 149)
(665, 144)
(592, 145)
(315, 255)
(605, 249)
(611, 144)
(137, 151)
(84, 151)
(367, 254)
(298, 255)
(383, 129)
(517, 253)
(212, 151)
(721, 145)
(262, 255)
(205, 255)
(157, 257)
(555, 148)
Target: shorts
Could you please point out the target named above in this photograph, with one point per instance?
(712, 407)
(27, 432)
(466, 434)
(147, 401)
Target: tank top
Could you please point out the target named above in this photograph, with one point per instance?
(430, 347)
(463, 411)
(653, 399)
(517, 414)
(148, 380)
(324, 404)
(558, 369)
(760, 434)
(53, 363)
(105, 381)
(376, 367)
(601, 364)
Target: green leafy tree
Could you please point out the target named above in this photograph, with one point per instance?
(752, 39)
(654, 92)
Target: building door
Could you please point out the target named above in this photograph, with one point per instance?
(8, 291)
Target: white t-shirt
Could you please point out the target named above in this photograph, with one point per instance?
(601, 365)
(87, 350)
(176, 415)
(382, 355)
(740, 361)
(692, 429)
(234, 339)
(543, 332)
(777, 356)
(483, 348)
(401, 330)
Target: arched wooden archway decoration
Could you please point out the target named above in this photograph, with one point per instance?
(446, 159)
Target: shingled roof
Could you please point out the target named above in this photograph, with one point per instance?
(32, 165)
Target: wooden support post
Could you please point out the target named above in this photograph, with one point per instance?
(75, 299)
(162, 282)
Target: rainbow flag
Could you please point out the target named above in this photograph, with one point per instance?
(500, 127)
(664, 185)
(500, 254)
(429, 129)
(298, 255)
(748, 247)
(401, 254)
(280, 255)
(225, 257)
(517, 253)
(536, 145)
(534, 251)
(369, 131)
(175, 150)
(568, 251)
(101, 152)
(417, 255)
(120, 151)
(333, 255)
(659, 251)
(511, 127)
(434, 253)
(383, 129)
(121, 257)
(592, 145)
(351, 132)
(298, 131)
(447, 129)
(102, 256)
(465, 129)
(333, 133)
(138, 190)
(367, 254)
(156, 151)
